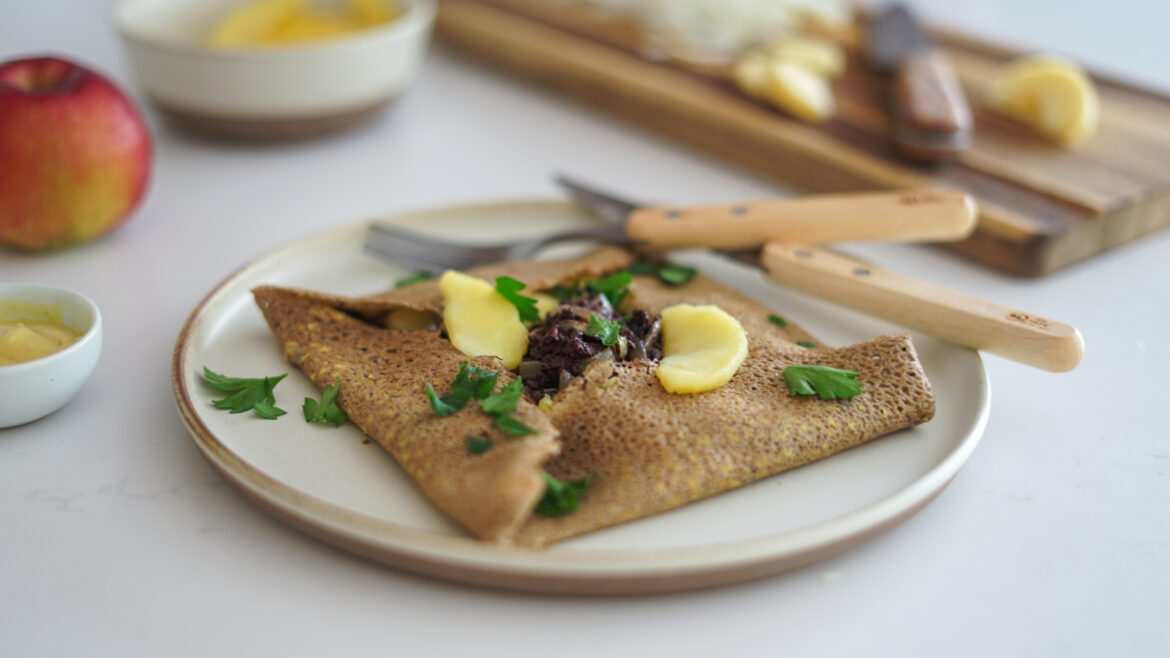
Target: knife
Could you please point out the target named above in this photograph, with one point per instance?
(928, 215)
(947, 314)
(930, 114)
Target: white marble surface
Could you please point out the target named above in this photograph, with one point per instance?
(119, 540)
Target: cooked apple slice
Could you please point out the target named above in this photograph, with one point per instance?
(253, 23)
(702, 347)
(820, 56)
(1050, 94)
(800, 92)
(480, 321)
(545, 304)
(751, 74)
(369, 13)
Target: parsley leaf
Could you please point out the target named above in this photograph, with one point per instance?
(478, 446)
(806, 343)
(605, 330)
(417, 277)
(442, 408)
(614, 287)
(512, 426)
(327, 412)
(777, 320)
(253, 394)
(470, 382)
(501, 404)
(505, 401)
(828, 383)
(564, 293)
(561, 497)
(671, 275)
(509, 289)
(676, 275)
(268, 410)
(643, 267)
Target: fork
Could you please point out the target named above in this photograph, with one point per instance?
(434, 255)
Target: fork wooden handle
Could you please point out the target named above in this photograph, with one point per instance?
(952, 316)
(926, 215)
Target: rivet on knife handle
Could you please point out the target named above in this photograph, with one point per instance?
(927, 215)
(947, 314)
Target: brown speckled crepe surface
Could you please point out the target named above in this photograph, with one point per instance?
(647, 450)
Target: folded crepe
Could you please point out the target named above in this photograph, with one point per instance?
(645, 450)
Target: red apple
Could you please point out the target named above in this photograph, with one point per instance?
(75, 154)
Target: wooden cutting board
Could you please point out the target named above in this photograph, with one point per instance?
(1042, 208)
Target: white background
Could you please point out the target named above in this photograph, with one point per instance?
(116, 537)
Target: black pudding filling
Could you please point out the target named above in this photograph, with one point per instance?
(560, 348)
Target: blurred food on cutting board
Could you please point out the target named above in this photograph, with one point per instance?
(792, 73)
(718, 31)
(267, 23)
(1048, 93)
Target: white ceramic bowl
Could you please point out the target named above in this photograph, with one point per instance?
(37, 388)
(292, 91)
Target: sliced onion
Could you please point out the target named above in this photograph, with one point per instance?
(529, 370)
(655, 329)
(606, 354)
(639, 349)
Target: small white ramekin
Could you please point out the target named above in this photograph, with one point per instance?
(37, 388)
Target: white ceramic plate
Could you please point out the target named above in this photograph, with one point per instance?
(341, 487)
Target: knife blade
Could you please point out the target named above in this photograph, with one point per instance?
(934, 310)
(931, 117)
(929, 215)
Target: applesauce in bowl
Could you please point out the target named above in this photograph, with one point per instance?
(316, 77)
(41, 372)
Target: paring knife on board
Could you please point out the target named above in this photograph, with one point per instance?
(930, 113)
(952, 316)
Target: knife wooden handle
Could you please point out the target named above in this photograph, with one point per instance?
(947, 314)
(926, 215)
(932, 118)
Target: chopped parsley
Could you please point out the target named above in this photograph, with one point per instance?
(561, 497)
(509, 289)
(828, 383)
(563, 293)
(500, 406)
(777, 320)
(470, 382)
(326, 412)
(643, 267)
(417, 277)
(671, 275)
(806, 343)
(478, 446)
(253, 394)
(606, 331)
(614, 287)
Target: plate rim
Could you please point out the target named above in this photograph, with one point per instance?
(558, 570)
